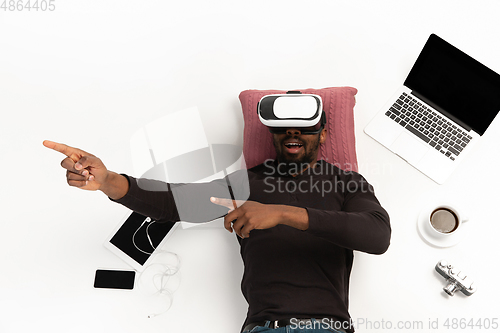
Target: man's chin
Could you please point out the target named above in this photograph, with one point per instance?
(291, 159)
(293, 164)
(287, 158)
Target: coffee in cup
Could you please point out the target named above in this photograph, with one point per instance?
(444, 220)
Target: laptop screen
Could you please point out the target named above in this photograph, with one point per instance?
(456, 84)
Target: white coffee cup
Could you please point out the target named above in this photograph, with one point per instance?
(445, 220)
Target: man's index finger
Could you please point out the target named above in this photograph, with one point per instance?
(64, 149)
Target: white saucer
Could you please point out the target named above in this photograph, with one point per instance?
(430, 238)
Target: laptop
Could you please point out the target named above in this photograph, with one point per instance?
(447, 102)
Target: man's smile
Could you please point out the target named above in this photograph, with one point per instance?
(293, 146)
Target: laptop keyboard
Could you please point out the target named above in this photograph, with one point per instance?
(429, 126)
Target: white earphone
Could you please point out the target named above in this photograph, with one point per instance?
(147, 220)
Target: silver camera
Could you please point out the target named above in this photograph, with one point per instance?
(457, 280)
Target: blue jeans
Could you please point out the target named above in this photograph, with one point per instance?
(317, 328)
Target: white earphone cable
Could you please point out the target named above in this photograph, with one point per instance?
(147, 220)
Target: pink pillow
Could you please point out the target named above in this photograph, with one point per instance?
(340, 145)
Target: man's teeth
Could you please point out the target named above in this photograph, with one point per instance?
(293, 144)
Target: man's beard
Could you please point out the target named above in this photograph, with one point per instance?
(296, 164)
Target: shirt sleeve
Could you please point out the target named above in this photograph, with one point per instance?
(361, 225)
(158, 204)
(188, 202)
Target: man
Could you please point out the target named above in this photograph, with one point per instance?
(297, 230)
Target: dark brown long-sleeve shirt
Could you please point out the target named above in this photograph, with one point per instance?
(288, 273)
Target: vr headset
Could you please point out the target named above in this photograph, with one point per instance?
(292, 110)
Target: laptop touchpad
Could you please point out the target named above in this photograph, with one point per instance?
(409, 148)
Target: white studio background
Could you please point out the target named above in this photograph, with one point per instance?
(91, 73)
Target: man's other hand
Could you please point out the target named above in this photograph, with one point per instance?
(248, 215)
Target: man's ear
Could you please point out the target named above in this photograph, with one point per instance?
(322, 135)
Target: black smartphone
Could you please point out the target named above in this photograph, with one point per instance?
(114, 279)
